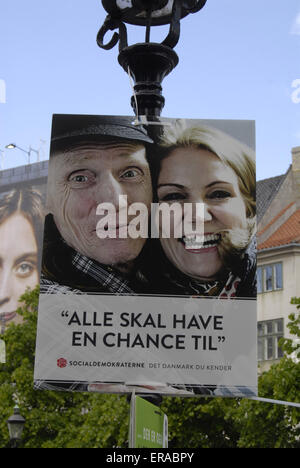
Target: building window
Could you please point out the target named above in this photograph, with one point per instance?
(259, 279)
(269, 334)
(269, 277)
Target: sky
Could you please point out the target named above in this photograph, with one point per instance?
(237, 60)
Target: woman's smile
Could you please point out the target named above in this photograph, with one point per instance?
(191, 175)
(197, 243)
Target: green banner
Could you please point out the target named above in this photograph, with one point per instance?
(2, 352)
(149, 425)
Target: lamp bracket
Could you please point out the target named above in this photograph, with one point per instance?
(137, 13)
(147, 63)
(110, 24)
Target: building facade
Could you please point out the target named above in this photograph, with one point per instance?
(278, 273)
(32, 175)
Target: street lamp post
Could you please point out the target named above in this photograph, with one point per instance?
(147, 63)
(28, 152)
(16, 424)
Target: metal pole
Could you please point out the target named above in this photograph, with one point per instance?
(277, 402)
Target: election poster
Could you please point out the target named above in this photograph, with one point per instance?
(148, 276)
(148, 425)
(2, 352)
(22, 215)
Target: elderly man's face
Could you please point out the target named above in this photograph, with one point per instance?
(90, 174)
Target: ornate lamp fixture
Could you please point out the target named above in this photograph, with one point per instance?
(15, 424)
(147, 63)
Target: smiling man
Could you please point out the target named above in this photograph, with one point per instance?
(94, 160)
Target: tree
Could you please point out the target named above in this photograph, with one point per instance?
(269, 425)
(243, 422)
(53, 419)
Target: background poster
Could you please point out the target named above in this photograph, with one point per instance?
(22, 205)
(139, 289)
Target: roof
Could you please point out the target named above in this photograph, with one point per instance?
(287, 233)
(273, 220)
(266, 190)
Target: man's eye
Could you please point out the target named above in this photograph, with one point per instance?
(219, 194)
(79, 178)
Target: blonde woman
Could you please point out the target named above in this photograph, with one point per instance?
(206, 166)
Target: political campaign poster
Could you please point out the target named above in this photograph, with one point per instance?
(148, 424)
(148, 277)
(2, 352)
(22, 205)
(22, 215)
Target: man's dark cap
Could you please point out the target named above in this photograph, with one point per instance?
(68, 129)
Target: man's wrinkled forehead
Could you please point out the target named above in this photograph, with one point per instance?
(86, 150)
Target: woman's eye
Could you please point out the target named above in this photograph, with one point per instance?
(219, 194)
(174, 196)
(24, 269)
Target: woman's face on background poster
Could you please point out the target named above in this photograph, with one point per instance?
(18, 263)
(192, 175)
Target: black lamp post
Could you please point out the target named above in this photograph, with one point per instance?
(15, 426)
(148, 63)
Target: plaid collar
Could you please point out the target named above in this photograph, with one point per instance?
(224, 288)
(104, 274)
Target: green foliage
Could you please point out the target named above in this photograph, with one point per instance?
(83, 420)
(201, 422)
(53, 419)
(244, 423)
(267, 425)
(292, 347)
(105, 423)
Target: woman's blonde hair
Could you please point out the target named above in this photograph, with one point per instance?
(232, 152)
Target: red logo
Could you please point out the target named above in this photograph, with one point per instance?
(62, 363)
